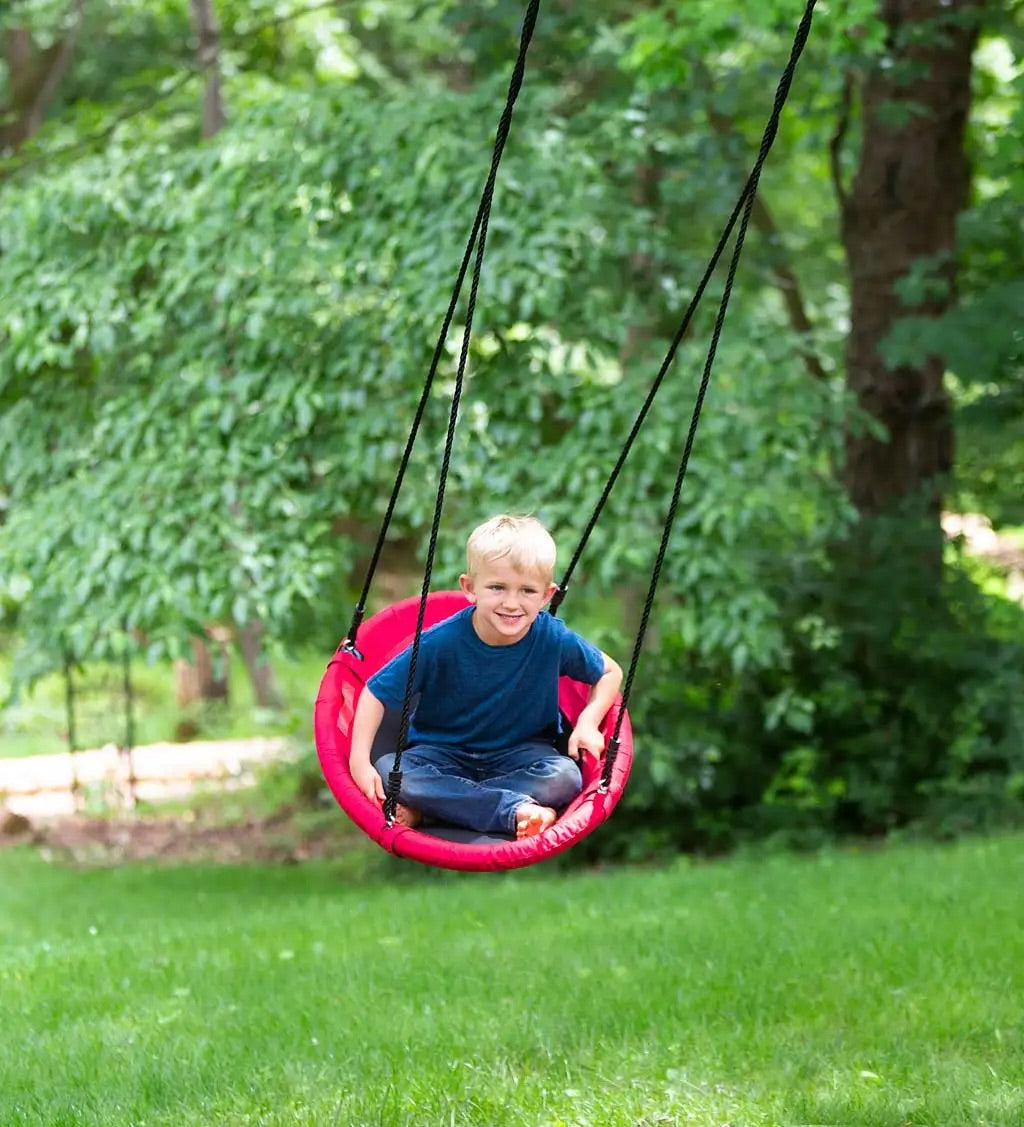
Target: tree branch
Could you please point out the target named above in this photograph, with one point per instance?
(11, 167)
(55, 75)
(783, 275)
(39, 88)
(785, 280)
(836, 143)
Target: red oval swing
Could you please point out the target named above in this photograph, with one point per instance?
(380, 639)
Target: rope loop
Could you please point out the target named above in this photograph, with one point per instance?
(477, 234)
(741, 214)
(741, 207)
(484, 216)
(767, 138)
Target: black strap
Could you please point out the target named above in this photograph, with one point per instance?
(483, 212)
(771, 129)
(394, 782)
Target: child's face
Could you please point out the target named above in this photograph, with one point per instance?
(507, 601)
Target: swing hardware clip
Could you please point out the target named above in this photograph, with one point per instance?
(609, 762)
(348, 645)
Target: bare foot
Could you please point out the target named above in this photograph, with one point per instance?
(532, 819)
(406, 816)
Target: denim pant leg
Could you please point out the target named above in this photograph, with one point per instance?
(536, 769)
(439, 783)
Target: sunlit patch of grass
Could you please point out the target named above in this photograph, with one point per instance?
(869, 990)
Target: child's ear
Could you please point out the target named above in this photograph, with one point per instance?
(552, 588)
(466, 584)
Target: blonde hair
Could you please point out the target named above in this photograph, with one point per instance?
(522, 542)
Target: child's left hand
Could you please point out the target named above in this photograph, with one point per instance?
(586, 737)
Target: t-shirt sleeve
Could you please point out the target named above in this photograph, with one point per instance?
(581, 660)
(388, 683)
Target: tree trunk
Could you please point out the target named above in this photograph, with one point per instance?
(261, 672)
(910, 185)
(208, 55)
(205, 677)
(33, 78)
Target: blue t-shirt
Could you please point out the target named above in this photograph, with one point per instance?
(485, 698)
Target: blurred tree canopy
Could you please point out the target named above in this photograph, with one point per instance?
(228, 233)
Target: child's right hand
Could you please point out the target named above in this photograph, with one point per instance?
(370, 784)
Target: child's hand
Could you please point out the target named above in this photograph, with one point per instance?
(365, 776)
(586, 737)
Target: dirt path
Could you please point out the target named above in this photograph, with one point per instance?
(37, 806)
(43, 786)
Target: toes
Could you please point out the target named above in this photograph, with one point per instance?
(524, 826)
(534, 821)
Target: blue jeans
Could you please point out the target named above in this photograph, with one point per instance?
(483, 789)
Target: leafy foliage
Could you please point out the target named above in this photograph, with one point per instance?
(210, 354)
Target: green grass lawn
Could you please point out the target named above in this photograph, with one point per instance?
(877, 990)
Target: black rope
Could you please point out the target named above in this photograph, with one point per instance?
(771, 129)
(563, 586)
(747, 194)
(482, 216)
(394, 781)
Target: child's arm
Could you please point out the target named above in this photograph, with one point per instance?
(369, 714)
(586, 736)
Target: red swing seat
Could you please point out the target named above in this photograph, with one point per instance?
(380, 639)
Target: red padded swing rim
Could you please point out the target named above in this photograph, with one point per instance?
(380, 638)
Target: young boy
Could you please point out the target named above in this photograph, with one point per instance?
(481, 743)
